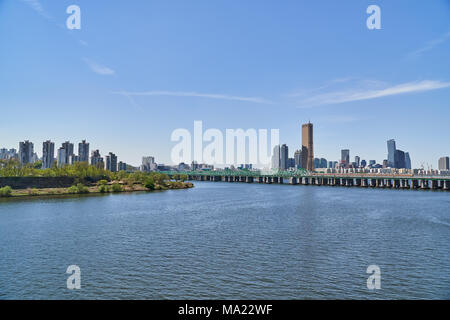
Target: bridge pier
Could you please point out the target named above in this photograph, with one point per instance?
(405, 184)
(388, 183)
(268, 180)
(446, 185)
(433, 185)
(280, 180)
(424, 184)
(249, 179)
(414, 184)
(305, 181)
(293, 180)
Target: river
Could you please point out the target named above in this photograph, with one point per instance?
(228, 241)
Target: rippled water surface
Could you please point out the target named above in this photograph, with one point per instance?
(229, 241)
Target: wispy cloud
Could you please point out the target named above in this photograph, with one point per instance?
(430, 45)
(341, 96)
(37, 6)
(196, 95)
(99, 69)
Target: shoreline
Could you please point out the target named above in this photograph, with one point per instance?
(19, 194)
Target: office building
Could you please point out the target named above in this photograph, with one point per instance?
(357, 161)
(276, 157)
(363, 163)
(298, 159)
(391, 153)
(345, 157)
(407, 161)
(284, 156)
(48, 154)
(399, 159)
(307, 146)
(444, 163)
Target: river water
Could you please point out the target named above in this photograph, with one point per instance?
(228, 241)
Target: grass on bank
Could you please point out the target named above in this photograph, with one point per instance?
(102, 187)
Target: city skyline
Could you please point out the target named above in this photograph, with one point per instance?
(280, 158)
(359, 87)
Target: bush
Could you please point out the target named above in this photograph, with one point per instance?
(5, 191)
(149, 184)
(82, 188)
(103, 188)
(102, 183)
(72, 190)
(117, 187)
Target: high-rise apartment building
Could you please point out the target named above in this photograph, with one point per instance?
(444, 163)
(26, 151)
(97, 160)
(48, 154)
(61, 157)
(83, 151)
(68, 147)
(307, 147)
(111, 162)
(149, 164)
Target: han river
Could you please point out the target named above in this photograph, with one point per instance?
(223, 240)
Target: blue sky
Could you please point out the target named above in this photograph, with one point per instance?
(138, 70)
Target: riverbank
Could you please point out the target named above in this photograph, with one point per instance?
(112, 187)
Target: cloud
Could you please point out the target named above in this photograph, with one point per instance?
(430, 45)
(335, 97)
(98, 68)
(37, 6)
(195, 94)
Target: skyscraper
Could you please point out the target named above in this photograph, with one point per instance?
(399, 159)
(345, 156)
(307, 146)
(61, 157)
(26, 150)
(276, 158)
(357, 161)
(284, 156)
(444, 163)
(407, 161)
(48, 154)
(97, 160)
(298, 159)
(391, 153)
(111, 162)
(68, 147)
(83, 151)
